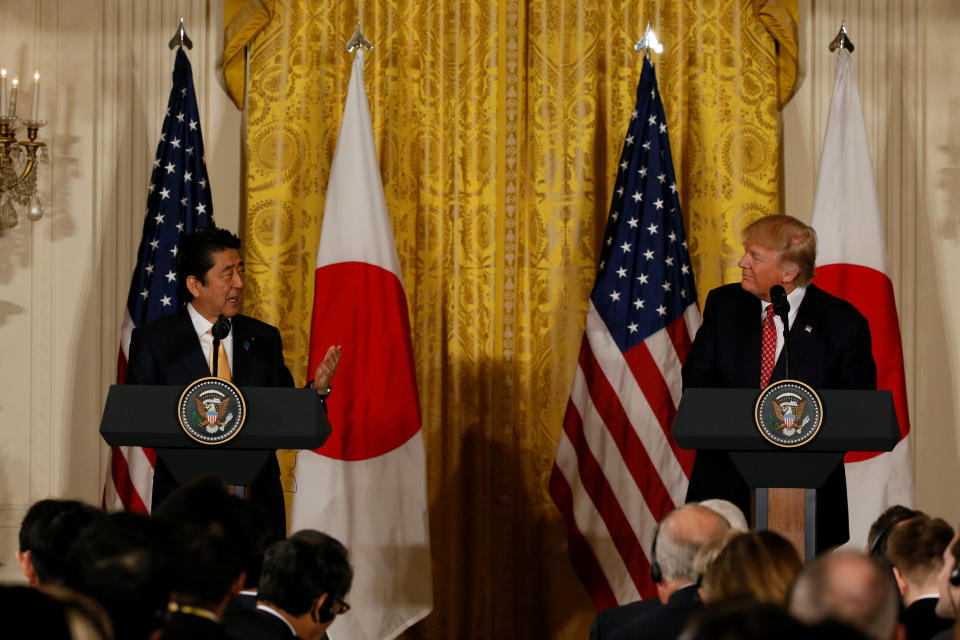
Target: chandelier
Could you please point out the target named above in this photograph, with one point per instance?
(19, 157)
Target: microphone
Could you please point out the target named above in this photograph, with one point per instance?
(221, 327)
(219, 330)
(781, 307)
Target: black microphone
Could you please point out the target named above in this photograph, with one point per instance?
(781, 307)
(219, 330)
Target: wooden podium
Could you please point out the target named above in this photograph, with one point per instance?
(784, 481)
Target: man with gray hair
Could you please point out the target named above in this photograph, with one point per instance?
(677, 539)
(849, 588)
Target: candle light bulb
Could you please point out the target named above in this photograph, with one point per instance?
(34, 209)
(13, 98)
(36, 95)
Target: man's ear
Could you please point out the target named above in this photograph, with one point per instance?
(26, 567)
(316, 607)
(193, 285)
(901, 583)
(788, 273)
(237, 585)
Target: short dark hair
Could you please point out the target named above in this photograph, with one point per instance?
(206, 540)
(196, 251)
(881, 527)
(118, 562)
(916, 547)
(300, 569)
(47, 531)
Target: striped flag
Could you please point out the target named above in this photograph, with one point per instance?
(618, 472)
(367, 485)
(853, 259)
(178, 202)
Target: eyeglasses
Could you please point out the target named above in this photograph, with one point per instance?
(340, 607)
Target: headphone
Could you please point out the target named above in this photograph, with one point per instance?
(656, 574)
(325, 612)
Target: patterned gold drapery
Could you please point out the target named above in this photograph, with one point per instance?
(498, 127)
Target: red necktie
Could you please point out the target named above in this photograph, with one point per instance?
(769, 357)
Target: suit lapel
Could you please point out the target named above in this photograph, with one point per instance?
(241, 350)
(801, 335)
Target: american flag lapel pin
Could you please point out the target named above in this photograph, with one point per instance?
(808, 328)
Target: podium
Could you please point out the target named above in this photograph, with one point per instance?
(276, 418)
(723, 419)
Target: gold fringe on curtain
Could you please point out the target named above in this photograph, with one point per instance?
(498, 127)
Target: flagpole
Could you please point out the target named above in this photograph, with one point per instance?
(842, 39)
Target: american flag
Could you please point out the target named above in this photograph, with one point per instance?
(618, 471)
(178, 202)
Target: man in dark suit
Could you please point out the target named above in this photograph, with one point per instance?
(829, 349)
(915, 549)
(177, 349)
(303, 583)
(678, 538)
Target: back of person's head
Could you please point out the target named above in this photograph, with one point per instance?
(882, 527)
(743, 619)
(680, 536)
(915, 548)
(206, 541)
(756, 564)
(47, 531)
(195, 254)
(850, 588)
(118, 562)
(300, 569)
(730, 512)
(794, 241)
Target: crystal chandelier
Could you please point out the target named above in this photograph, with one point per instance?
(18, 158)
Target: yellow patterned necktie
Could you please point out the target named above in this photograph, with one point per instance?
(223, 366)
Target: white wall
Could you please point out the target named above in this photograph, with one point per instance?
(105, 78)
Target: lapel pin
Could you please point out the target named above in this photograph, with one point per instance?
(808, 328)
(246, 345)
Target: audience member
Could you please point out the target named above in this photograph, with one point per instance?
(915, 550)
(743, 619)
(678, 538)
(46, 532)
(52, 612)
(304, 581)
(606, 621)
(850, 588)
(948, 583)
(207, 545)
(760, 565)
(117, 560)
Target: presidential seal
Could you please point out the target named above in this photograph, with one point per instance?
(212, 410)
(788, 413)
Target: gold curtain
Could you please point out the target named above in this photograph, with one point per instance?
(498, 127)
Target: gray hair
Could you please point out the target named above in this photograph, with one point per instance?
(680, 537)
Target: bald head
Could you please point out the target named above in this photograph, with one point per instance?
(849, 588)
(681, 535)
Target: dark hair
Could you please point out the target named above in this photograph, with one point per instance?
(118, 562)
(47, 531)
(916, 547)
(742, 619)
(196, 251)
(206, 541)
(881, 527)
(300, 569)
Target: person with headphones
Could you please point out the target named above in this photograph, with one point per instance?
(677, 539)
(948, 582)
(303, 583)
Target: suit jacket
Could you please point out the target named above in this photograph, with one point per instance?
(662, 623)
(182, 626)
(607, 621)
(921, 621)
(167, 352)
(829, 349)
(246, 623)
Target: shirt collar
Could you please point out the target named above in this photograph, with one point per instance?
(200, 324)
(274, 612)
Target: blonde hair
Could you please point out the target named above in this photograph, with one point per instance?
(794, 242)
(757, 564)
